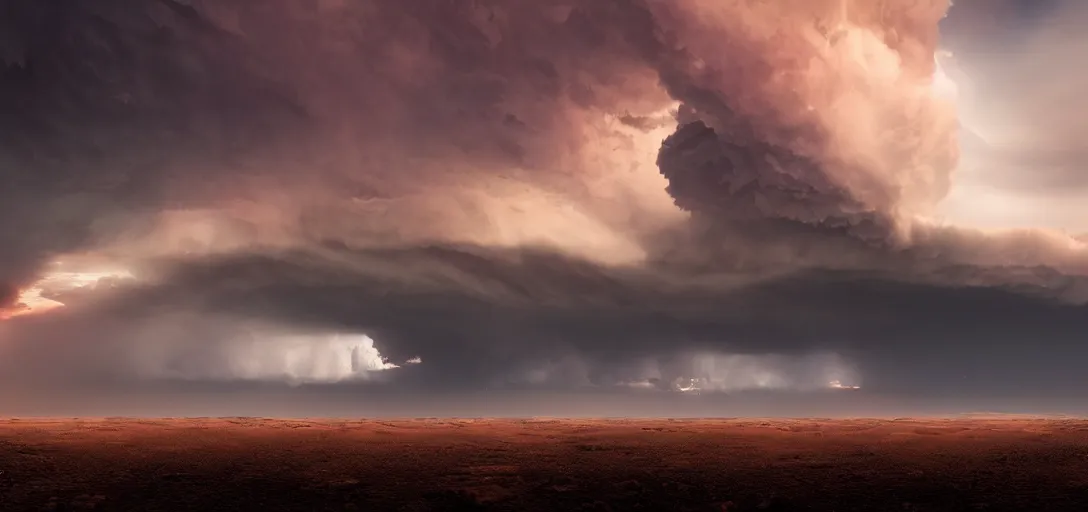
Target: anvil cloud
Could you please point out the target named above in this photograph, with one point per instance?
(601, 192)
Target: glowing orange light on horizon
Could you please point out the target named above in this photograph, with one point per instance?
(32, 300)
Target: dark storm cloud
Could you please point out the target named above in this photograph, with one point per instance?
(115, 110)
(109, 110)
(481, 318)
(787, 125)
(174, 105)
(801, 149)
(479, 184)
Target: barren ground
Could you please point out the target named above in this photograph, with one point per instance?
(554, 465)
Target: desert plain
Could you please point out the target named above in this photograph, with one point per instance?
(543, 464)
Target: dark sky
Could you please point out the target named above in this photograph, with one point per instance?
(493, 207)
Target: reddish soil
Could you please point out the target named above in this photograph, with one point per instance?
(553, 465)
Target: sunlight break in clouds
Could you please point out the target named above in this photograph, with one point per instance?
(40, 297)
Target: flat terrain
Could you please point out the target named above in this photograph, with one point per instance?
(553, 465)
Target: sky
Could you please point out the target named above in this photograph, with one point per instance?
(561, 207)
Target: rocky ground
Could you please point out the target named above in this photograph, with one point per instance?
(554, 465)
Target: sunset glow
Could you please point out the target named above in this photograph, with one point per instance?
(38, 297)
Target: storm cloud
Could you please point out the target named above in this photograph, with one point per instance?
(555, 194)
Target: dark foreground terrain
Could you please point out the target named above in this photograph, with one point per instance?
(554, 465)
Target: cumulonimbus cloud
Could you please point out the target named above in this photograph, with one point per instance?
(625, 178)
